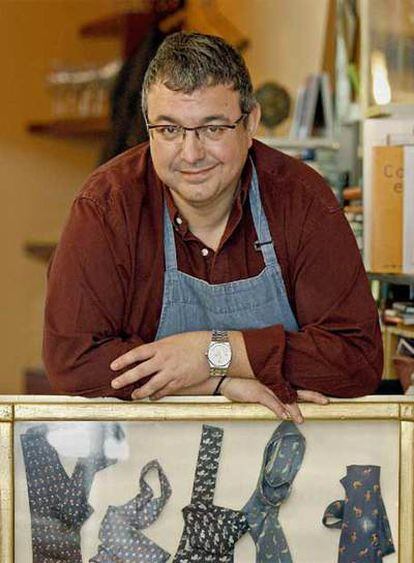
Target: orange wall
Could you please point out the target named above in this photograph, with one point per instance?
(286, 39)
(38, 175)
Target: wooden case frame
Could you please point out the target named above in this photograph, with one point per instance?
(28, 409)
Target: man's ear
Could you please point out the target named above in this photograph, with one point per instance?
(253, 120)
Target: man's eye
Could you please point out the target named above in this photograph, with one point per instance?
(214, 132)
(169, 130)
(214, 129)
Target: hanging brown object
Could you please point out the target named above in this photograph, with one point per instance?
(204, 16)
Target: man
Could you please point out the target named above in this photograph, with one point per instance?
(206, 253)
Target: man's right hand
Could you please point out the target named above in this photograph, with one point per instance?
(252, 391)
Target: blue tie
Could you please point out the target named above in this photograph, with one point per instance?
(366, 534)
(121, 530)
(281, 461)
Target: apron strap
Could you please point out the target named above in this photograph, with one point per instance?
(264, 242)
(169, 242)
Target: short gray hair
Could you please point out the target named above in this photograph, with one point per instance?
(186, 62)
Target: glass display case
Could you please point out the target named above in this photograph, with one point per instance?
(103, 480)
(387, 57)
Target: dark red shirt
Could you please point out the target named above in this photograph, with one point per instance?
(106, 279)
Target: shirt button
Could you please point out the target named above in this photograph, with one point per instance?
(178, 220)
(204, 252)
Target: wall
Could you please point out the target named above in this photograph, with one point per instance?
(39, 176)
(286, 39)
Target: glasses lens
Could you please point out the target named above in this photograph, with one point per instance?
(212, 132)
(169, 132)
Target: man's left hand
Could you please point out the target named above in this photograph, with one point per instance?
(174, 362)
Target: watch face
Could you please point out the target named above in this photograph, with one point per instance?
(219, 354)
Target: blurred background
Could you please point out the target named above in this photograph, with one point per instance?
(335, 79)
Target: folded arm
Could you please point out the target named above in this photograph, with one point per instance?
(338, 348)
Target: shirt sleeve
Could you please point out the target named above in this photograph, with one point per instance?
(85, 301)
(338, 348)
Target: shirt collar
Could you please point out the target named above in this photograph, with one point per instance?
(240, 196)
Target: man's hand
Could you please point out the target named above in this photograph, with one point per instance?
(174, 362)
(252, 391)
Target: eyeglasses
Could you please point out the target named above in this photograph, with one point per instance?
(204, 133)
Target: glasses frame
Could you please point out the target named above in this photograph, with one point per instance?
(196, 130)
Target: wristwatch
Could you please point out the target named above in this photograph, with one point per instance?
(219, 353)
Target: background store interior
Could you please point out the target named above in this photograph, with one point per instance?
(335, 77)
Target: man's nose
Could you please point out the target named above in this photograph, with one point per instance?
(192, 148)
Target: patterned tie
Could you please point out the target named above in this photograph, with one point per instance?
(281, 461)
(366, 534)
(58, 503)
(210, 531)
(120, 532)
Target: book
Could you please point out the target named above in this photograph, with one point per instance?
(377, 132)
(313, 114)
(404, 306)
(351, 193)
(408, 211)
(406, 319)
(310, 99)
(297, 113)
(387, 209)
(327, 106)
(391, 316)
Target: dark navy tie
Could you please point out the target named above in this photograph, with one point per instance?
(282, 459)
(361, 517)
(121, 530)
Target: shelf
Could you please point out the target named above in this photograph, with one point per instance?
(42, 251)
(109, 26)
(401, 330)
(71, 127)
(310, 143)
(397, 279)
(117, 25)
(352, 193)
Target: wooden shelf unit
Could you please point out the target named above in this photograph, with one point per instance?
(390, 335)
(92, 127)
(397, 279)
(41, 251)
(109, 26)
(309, 143)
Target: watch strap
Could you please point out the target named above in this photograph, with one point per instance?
(217, 372)
(220, 336)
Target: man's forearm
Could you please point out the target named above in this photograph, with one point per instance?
(175, 362)
(239, 367)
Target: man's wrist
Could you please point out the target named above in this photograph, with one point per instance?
(219, 353)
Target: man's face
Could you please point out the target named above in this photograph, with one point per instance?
(200, 172)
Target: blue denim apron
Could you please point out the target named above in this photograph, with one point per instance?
(190, 304)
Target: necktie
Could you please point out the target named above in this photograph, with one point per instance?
(281, 461)
(58, 503)
(365, 531)
(120, 533)
(210, 531)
